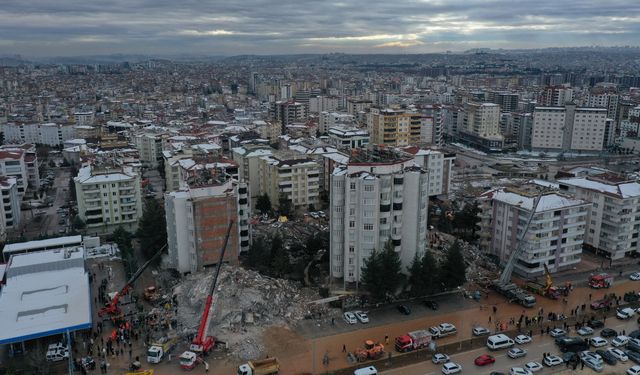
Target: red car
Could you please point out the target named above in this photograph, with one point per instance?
(484, 360)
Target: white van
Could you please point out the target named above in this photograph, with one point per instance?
(57, 355)
(500, 341)
(366, 371)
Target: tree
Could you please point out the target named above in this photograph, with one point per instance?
(78, 224)
(280, 262)
(423, 274)
(452, 272)
(263, 204)
(284, 205)
(72, 183)
(259, 255)
(381, 272)
(152, 228)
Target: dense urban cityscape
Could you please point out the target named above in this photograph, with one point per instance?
(402, 212)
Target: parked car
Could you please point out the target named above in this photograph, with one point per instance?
(633, 370)
(484, 360)
(480, 331)
(362, 316)
(533, 366)
(595, 323)
(451, 368)
(633, 355)
(439, 358)
(635, 276)
(552, 360)
(350, 317)
(522, 339)
(598, 342)
(619, 354)
(593, 364)
(433, 305)
(404, 309)
(516, 352)
(608, 332)
(620, 341)
(557, 332)
(585, 331)
(625, 313)
(607, 357)
(519, 371)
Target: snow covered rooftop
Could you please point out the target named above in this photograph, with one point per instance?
(85, 176)
(547, 202)
(50, 243)
(621, 190)
(47, 293)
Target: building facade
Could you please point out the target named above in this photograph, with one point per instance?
(568, 128)
(479, 126)
(10, 208)
(295, 178)
(391, 127)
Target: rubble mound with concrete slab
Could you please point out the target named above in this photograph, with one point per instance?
(245, 303)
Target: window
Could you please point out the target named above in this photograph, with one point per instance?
(383, 220)
(114, 193)
(368, 226)
(352, 224)
(368, 187)
(352, 249)
(352, 186)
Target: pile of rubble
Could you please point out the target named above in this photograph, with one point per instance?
(245, 303)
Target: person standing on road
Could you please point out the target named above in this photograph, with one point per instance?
(344, 348)
(386, 339)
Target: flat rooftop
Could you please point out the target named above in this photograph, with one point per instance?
(47, 293)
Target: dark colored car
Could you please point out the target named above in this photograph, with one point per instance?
(608, 332)
(607, 357)
(404, 309)
(497, 373)
(601, 304)
(596, 324)
(433, 305)
(633, 355)
(569, 357)
(635, 334)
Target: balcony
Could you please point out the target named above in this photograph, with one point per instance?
(242, 201)
(385, 207)
(398, 180)
(397, 206)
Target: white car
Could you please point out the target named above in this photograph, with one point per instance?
(533, 366)
(585, 331)
(593, 355)
(362, 316)
(56, 346)
(598, 342)
(350, 317)
(480, 331)
(523, 339)
(552, 360)
(625, 313)
(620, 341)
(633, 370)
(516, 353)
(557, 332)
(439, 358)
(451, 368)
(593, 364)
(519, 371)
(619, 354)
(635, 276)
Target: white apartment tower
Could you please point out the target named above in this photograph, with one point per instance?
(479, 125)
(568, 128)
(613, 221)
(379, 195)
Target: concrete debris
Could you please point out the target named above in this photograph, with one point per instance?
(245, 303)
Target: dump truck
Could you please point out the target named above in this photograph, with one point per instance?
(413, 340)
(515, 294)
(601, 280)
(371, 350)
(160, 348)
(260, 367)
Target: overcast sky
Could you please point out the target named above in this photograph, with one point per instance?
(228, 27)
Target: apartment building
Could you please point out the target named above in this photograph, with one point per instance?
(508, 101)
(295, 178)
(288, 112)
(555, 96)
(322, 103)
(248, 159)
(395, 128)
(108, 197)
(613, 220)
(10, 207)
(150, 146)
(555, 235)
(379, 195)
(603, 98)
(569, 128)
(197, 221)
(355, 105)
(439, 166)
(479, 126)
(13, 164)
(345, 137)
(84, 118)
(327, 120)
(49, 134)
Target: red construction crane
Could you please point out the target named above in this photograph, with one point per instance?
(112, 308)
(202, 343)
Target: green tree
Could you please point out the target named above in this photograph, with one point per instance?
(452, 272)
(280, 262)
(263, 204)
(381, 272)
(123, 239)
(78, 223)
(423, 274)
(259, 254)
(152, 228)
(284, 205)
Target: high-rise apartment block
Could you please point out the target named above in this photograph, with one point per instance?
(569, 128)
(613, 220)
(392, 127)
(288, 112)
(479, 125)
(248, 159)
(10, 207)
(554, 237)
(380, 195)
(328, 119)
(108, 198)
(555, 96)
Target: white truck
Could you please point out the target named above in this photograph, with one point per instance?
(160, 348)
(443, 330)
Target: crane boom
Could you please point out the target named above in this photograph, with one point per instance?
(201, 343)
(505, 276)
(112, 307)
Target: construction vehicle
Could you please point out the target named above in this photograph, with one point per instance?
(548, 289)
(371, 350)
(266, 366)
(504, 285)
(112, 308)
(202, 344)
(150, 293)
(160, 348)
(413, 340)
(601, 280)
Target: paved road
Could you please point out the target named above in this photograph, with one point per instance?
(503, 363)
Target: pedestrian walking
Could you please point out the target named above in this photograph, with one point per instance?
(589, 296)
(344, 348)
(386, 339)
(489, 318)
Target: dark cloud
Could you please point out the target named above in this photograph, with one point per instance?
(70, 27)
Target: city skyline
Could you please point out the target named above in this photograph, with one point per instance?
(68, 27)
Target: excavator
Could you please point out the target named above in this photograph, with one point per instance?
(112, 308)
(201, 343)
(547, 289)
(371, 350)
